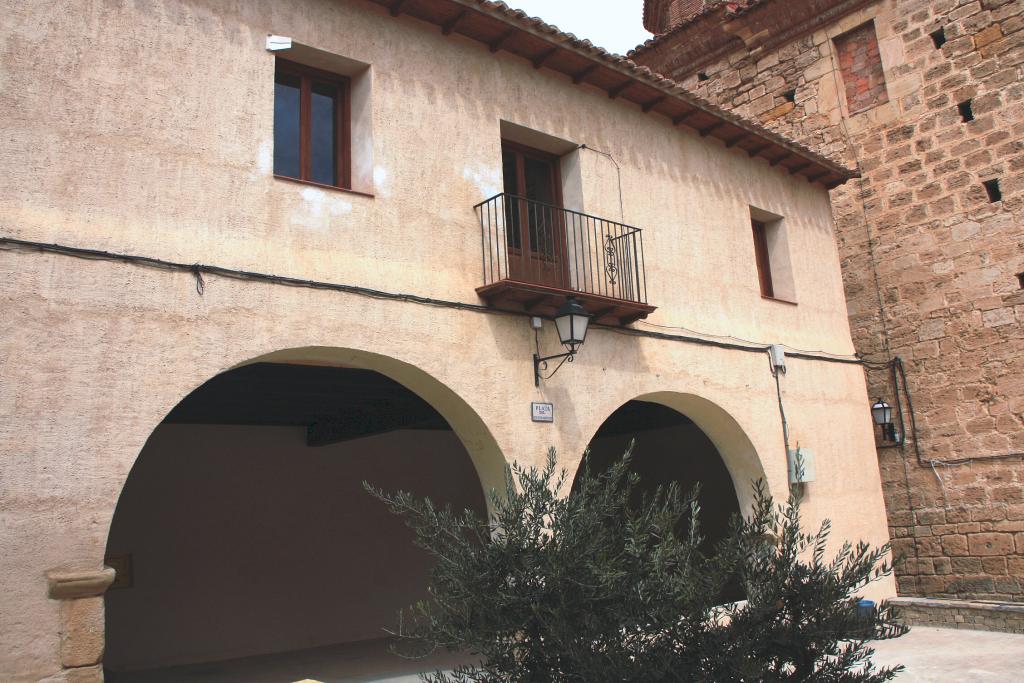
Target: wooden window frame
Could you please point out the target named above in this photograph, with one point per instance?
(342, 123)
(537, 265)
(762, 258)
(522, 151)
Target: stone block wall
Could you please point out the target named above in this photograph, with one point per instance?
(661, 15)
(681, 10)
(932, 260)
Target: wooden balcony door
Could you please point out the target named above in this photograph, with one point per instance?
(534, 222)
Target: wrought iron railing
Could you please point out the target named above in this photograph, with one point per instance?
(541, 244)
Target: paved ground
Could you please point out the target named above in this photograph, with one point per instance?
(954, 655)
(366, 662)
(930, 654)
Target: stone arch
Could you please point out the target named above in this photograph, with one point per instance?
(734, 446)
(479, 459)
(687, 441)
(475, 435)
(481, 445)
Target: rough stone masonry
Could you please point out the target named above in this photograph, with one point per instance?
(926, 97)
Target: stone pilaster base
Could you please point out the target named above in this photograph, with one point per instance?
(82, 629)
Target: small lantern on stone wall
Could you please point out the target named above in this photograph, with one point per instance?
(881, 412)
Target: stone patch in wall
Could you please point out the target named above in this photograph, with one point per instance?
(860, 64)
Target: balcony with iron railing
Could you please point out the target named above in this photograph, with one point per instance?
(537, 254)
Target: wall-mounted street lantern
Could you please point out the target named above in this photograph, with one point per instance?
(571, 321)
(881, 412)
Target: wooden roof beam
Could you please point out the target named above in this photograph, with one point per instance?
(798, 167)
(754, 151)
(683, 118)
(447, 28)
(704, 132)
(497, 45)
(653, 103)
(736, 140)
(619, 89)
(540, 61)
(578, 78)
(812, 177)
(396, 7)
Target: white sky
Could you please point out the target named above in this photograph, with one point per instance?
(615, 25)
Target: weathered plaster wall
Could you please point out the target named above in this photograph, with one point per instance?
(176, 164)
(930, 265)
(146, 128)
(98, 353)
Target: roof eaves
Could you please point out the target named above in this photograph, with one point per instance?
(548, 32)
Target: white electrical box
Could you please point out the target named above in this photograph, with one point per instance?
(778, 356)
(806, 458)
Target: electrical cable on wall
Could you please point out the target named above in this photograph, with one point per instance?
(619, 174)
(901, 388)
(837, 356)
(776, 371)
(834, 59)
(198, 269)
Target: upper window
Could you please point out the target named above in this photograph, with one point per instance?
(861, 65)
(764, 264)
(533, 190)
(771, 255)
(311, 125)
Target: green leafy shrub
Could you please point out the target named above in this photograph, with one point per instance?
(592, 587)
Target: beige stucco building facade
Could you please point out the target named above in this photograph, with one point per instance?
(147, 129)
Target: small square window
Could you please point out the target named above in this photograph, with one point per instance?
(938, 38)
(311, 125)
(701, 76)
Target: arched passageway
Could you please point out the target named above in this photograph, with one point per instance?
(243, 529)
(669, 447)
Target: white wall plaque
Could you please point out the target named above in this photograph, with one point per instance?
(543, 412)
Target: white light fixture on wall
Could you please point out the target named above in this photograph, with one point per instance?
(571, 321)
(881, 412)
